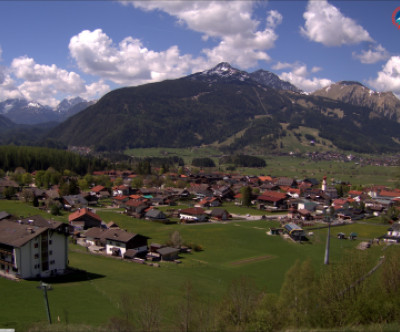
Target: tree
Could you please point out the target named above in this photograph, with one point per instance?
(137, 182)
(297, 298)
(203, 162)
(118, 181)
(27, 195)
(186, 308)
(148, 309)
(175, 239)
(55, 210)
(246, 195)
(239, 303)
(9, 192)
(26, 179)
(83, 185)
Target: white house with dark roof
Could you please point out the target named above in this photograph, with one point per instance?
(28, 250)
(119, 241)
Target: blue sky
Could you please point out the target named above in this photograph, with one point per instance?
(50, 50)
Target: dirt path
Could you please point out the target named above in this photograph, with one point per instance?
(252, 260)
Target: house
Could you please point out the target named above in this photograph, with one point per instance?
(209, 202)
(393, 234)
(28, 251)
(201, 190)
(155, 214)
(121, 190)
(223, 192)
(83, 219)
(4, 215)
(119, 241)
(95, 237)
(305, 204)
(100, 192)
(136, 208)
(195, 214)
(220, 214)
(120, 200)
(74, 201)
(313, 181)
(284, 181)
(92, 200)
(272, 199)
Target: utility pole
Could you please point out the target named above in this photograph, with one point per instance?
(328, 240)
(328, 218)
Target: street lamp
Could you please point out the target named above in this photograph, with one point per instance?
(46, 287)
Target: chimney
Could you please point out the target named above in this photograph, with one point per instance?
(30, 230)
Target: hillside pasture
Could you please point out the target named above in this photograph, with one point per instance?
(230, 250)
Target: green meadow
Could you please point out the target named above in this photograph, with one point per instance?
(230, 250)
(295, 167)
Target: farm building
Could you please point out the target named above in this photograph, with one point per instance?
(168, 253)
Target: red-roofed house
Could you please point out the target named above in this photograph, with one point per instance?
(209, 202)
(83, 219)
(272, 199)
(120, 200)
(389, 193)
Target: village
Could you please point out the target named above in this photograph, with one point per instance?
(34, 247)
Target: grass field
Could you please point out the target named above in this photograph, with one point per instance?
(231, 250)
(295, 167)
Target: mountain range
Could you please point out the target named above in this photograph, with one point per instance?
(234, 111)
(22, 111)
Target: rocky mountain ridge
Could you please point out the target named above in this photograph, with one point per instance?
(23, 111)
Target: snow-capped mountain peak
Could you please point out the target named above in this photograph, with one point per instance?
(224, 69)
(34, 105)
(22, 111)
(67, 103)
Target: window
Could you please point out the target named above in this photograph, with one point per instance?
(50, 241)
(52, 262)
(36, 256)
(36, 245)
(51, 252)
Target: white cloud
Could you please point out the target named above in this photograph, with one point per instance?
(300, 77)
(325, 24)
(44, 84)
(127, 63)
(95, 90)
(388, 78)
(374, 54)
(241, 41)
(274, 18)
(8, 88)
(282, 65)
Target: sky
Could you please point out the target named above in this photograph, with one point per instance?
(51, 50)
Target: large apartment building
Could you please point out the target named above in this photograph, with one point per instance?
(33, 248)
